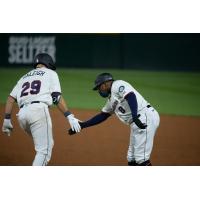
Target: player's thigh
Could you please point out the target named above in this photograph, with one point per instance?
(41, 131)
(143, 139)
(23, 121)
(42, 137)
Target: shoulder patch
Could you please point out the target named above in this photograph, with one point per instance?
(121, 88)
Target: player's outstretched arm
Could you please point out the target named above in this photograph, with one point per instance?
(97, 119)
(74, 122)
(7, 125)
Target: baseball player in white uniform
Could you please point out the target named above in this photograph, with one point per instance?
(34, 93)
(132, 109)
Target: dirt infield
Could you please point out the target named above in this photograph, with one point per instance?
(177, 143)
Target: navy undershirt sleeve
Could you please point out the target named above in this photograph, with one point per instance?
(95, 120)
(132, 102)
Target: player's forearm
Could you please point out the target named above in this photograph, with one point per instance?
(9, 107)
(62, 106)
(99, 118)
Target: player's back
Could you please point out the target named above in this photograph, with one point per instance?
(35, 86)
(121, 88)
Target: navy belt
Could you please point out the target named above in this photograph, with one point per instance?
(30, 103)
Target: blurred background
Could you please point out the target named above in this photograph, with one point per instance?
(118, 51)
(164, 68)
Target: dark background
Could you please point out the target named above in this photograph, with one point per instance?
(125, 51)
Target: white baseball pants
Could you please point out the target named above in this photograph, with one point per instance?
(36, 121)
(141, 140)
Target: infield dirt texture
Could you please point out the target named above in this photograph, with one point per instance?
(176, 143)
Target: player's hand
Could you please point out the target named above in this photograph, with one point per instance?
(140, 124)
(70, 132)
(7, 126)
(74, 123)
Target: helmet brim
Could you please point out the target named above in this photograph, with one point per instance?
(102, 78)
(96, 87)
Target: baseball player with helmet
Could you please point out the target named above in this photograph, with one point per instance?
(132, 109)
(34, 93)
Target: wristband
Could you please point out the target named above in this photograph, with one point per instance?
(67, 113)
(7, 116)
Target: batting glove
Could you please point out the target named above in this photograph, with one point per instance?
(7, 126)
(74, 123)
(140, 124)
(71, 132)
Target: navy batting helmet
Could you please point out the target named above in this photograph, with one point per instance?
(102, 78)
(45, 59)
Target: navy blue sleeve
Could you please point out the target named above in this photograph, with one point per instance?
(95, 120)
(132, 102)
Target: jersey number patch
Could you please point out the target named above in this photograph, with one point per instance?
(121, 110)
(35, 88)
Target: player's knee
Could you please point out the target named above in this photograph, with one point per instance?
(45, 152)
(40, 159)
(48, 157)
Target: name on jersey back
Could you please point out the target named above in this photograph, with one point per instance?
(34, 73)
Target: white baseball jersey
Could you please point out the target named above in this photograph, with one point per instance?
(117, 103)
(36, 85)
(141, 140)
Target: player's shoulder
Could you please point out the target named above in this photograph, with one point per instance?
(119, 85)
(48, 70)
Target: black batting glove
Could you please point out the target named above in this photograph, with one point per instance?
(71, 132)
(140, 124)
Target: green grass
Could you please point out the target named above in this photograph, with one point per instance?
(175, 93)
